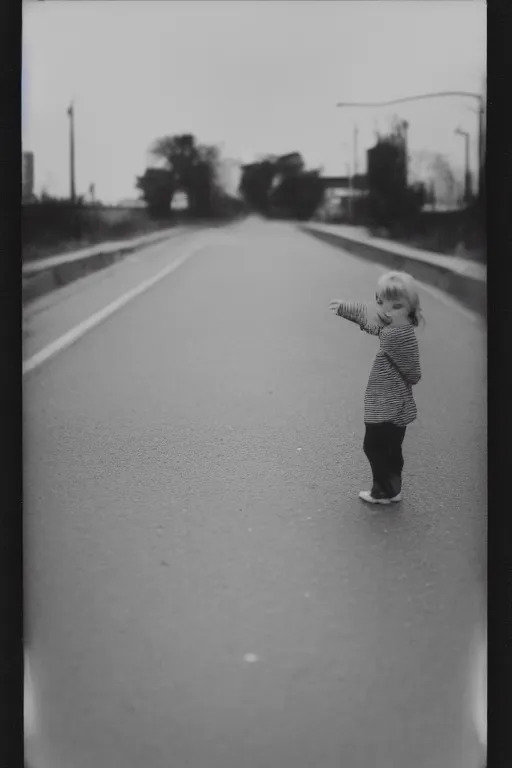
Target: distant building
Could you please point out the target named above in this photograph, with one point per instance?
(27, 176)
(357, 183)
(340, 192)
(387, 163)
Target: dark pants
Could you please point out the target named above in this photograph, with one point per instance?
(383, 448)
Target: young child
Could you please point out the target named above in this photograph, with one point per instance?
(388, 402)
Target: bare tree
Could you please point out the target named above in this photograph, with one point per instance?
(433, 169)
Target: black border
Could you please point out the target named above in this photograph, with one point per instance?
(11, 531)
(499, 255)
(499, 235)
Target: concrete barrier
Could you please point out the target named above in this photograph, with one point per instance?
(45, 275)
(465, 280)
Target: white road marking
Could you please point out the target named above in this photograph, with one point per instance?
(29, 704)
(65, 341)
(478, 699)
(251, 658)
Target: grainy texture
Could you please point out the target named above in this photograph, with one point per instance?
(192, 469)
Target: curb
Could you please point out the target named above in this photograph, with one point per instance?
(469, 289)
(42, 277)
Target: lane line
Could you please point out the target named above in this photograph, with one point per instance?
(29, 706)
(55, 297)
(71, 336)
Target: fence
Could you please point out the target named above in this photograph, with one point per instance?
(448, 232)
(452, 232)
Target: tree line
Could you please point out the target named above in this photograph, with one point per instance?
(282, 187)
(188, 167)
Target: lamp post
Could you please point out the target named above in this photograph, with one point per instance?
(349, 174)
(356, 135)
(440, 94)
(467, 173)
(405, 128)
(352, 180)
(350, 186)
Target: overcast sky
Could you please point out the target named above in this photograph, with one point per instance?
(256, 77)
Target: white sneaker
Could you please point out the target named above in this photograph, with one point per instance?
(367, 496)
(398, 497)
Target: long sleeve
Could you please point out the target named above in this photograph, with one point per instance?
(358, 313)
(401, 346)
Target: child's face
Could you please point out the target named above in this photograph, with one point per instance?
(393, 311)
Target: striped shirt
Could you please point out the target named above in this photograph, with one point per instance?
(395, 370)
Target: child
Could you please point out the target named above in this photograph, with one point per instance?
(388, 402)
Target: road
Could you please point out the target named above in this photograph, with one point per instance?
(204, 588)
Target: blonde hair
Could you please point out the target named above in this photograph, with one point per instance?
(401, 285)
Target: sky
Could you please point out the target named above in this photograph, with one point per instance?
(253, 76)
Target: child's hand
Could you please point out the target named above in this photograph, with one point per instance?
(335, 305)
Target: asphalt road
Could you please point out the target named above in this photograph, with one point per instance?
(204, 588)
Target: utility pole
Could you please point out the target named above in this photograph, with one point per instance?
(71, 115)
(481, 151)
(356, 134)
(345, 201)
(405, 128)
(467, 172)
(348, 207)
(353, 185)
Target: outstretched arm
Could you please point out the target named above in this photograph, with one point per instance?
(357, 313)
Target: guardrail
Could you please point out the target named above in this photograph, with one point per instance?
(465, 280)
(45, 275)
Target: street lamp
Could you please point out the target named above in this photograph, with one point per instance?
(440, 94)
(349, 179)
(352, 180)
(467, 174)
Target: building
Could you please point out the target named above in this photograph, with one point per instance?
(27, 176)
(387, 162)
(340, 194)
(356, 183)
